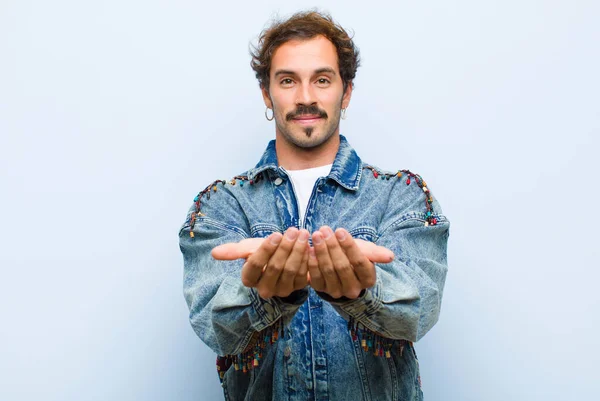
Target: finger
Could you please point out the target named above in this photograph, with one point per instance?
(332, 282)
(343, 268)
(285, 284)
(301, 279)
(316, 278)
(364, 269)
(253, 268)
(375, 253)
(237, 250)
(267, 283)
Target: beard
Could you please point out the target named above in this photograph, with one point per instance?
(310, 136)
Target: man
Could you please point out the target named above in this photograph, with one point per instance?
(311, 274)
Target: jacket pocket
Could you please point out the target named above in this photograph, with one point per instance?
(365, 233)
(263, 230)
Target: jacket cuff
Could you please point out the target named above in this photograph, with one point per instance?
(270, 310)
(296, 298)
(365, 306)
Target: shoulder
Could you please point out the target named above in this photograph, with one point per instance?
(408, 193)
(218, 201)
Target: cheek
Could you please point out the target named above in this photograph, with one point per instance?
(282, 100)
(331, 101)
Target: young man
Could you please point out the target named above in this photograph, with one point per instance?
(311, 274)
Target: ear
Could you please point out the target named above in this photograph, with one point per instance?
(266, 97)
(347, 96)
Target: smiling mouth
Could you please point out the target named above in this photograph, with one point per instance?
(306, 119)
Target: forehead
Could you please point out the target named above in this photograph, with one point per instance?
(305, 55)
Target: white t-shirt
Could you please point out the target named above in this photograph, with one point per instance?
(304, 181)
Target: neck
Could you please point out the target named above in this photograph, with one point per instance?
(292, 157)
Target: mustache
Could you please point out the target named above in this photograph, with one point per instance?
(305, 110)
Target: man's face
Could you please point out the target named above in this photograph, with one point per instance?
(306, 91)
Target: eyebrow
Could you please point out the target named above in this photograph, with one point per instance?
(318, 71)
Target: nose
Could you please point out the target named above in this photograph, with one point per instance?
(306, 95)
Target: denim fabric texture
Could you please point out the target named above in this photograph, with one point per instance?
(318, 355)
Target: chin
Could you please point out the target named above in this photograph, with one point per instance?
(315, 139)
(298, 136)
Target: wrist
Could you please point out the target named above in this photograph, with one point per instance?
(296, 297)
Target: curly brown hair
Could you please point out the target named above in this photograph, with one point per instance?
(304, 25)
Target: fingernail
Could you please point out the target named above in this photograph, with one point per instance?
(275, 238)
(317, 239)
(291, 234)
(327, 232)
(340, 234)
(303, 236)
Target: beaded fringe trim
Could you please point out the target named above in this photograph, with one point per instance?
(370, 342)
(431, 220)
(213, 187)
(250, 358)
(373, 342)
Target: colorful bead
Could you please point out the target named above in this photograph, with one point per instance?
(420, 182)
(372, 342)
(250, 359)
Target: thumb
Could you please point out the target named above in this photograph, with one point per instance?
(236, 250)
(375, 253)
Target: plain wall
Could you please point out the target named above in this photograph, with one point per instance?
(114, 114)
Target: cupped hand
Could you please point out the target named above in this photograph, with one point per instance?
(246, 247)
(337, 265)
(279, 265)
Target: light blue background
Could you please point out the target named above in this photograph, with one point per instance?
(114, 114)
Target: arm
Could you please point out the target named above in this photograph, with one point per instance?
(405, 300)
(224, 313)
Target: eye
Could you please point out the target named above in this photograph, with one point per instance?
(286, 81)
(323, 81)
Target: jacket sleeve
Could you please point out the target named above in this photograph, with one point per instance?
(406, 299)
(224, 313)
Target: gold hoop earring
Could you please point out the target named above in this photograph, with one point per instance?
(343, 114)
(272, 115)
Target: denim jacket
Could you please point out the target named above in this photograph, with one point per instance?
(309, 346)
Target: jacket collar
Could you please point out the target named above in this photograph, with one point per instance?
(346, 169)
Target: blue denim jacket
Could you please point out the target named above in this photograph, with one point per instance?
(309, 346)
